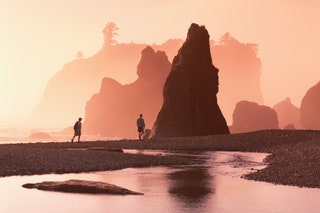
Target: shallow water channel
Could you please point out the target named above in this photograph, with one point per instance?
(215, 186)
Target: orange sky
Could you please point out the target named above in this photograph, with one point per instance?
(39, 36)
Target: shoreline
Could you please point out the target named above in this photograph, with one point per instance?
(294, 159)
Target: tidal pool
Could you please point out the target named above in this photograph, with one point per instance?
(214, 186)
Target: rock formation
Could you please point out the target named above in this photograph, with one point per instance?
(310, 108)
(249, 116)
(67, 92)
(114, 110)
(190, 104)
(81, 186)
(288, 115)
(40, 135)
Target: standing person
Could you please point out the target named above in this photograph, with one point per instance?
(77, 129)
(141, 125)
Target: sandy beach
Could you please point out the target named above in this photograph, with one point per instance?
(294, 155)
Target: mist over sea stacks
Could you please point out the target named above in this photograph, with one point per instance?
(310, 108)
(239, 73)
(66, 93)
(288, 115)
(190, 105)
(114, 110)
(249, 116)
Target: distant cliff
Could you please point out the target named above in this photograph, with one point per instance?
(114, 110)
(190, 105)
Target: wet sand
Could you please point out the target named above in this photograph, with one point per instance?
(294, 159)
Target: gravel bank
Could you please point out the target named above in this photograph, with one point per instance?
(294, 159)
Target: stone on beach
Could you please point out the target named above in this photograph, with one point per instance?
(81, 186)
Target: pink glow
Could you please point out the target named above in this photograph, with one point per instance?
(39, 37)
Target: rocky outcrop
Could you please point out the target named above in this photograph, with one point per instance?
(40, 135)
(81, 186)
(288, 115)
(249, 116)
(190, 105)
(310, 108)
(114, 110)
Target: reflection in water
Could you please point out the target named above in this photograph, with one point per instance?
(190, 184)
(191, 187)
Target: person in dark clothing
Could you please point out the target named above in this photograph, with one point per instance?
(77, 130)
(141, 126)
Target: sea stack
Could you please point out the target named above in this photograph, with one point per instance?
(114, 110)
(249, 116)
(190, 105)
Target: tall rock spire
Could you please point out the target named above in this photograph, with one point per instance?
(190, 105)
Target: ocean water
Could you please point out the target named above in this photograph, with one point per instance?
(22, 134)
(214, 186)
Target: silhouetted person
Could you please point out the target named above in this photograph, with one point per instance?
(77, 129)
(141, 125)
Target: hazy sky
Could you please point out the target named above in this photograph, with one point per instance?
(39, 36)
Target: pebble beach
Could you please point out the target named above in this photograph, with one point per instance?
(294, 155)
